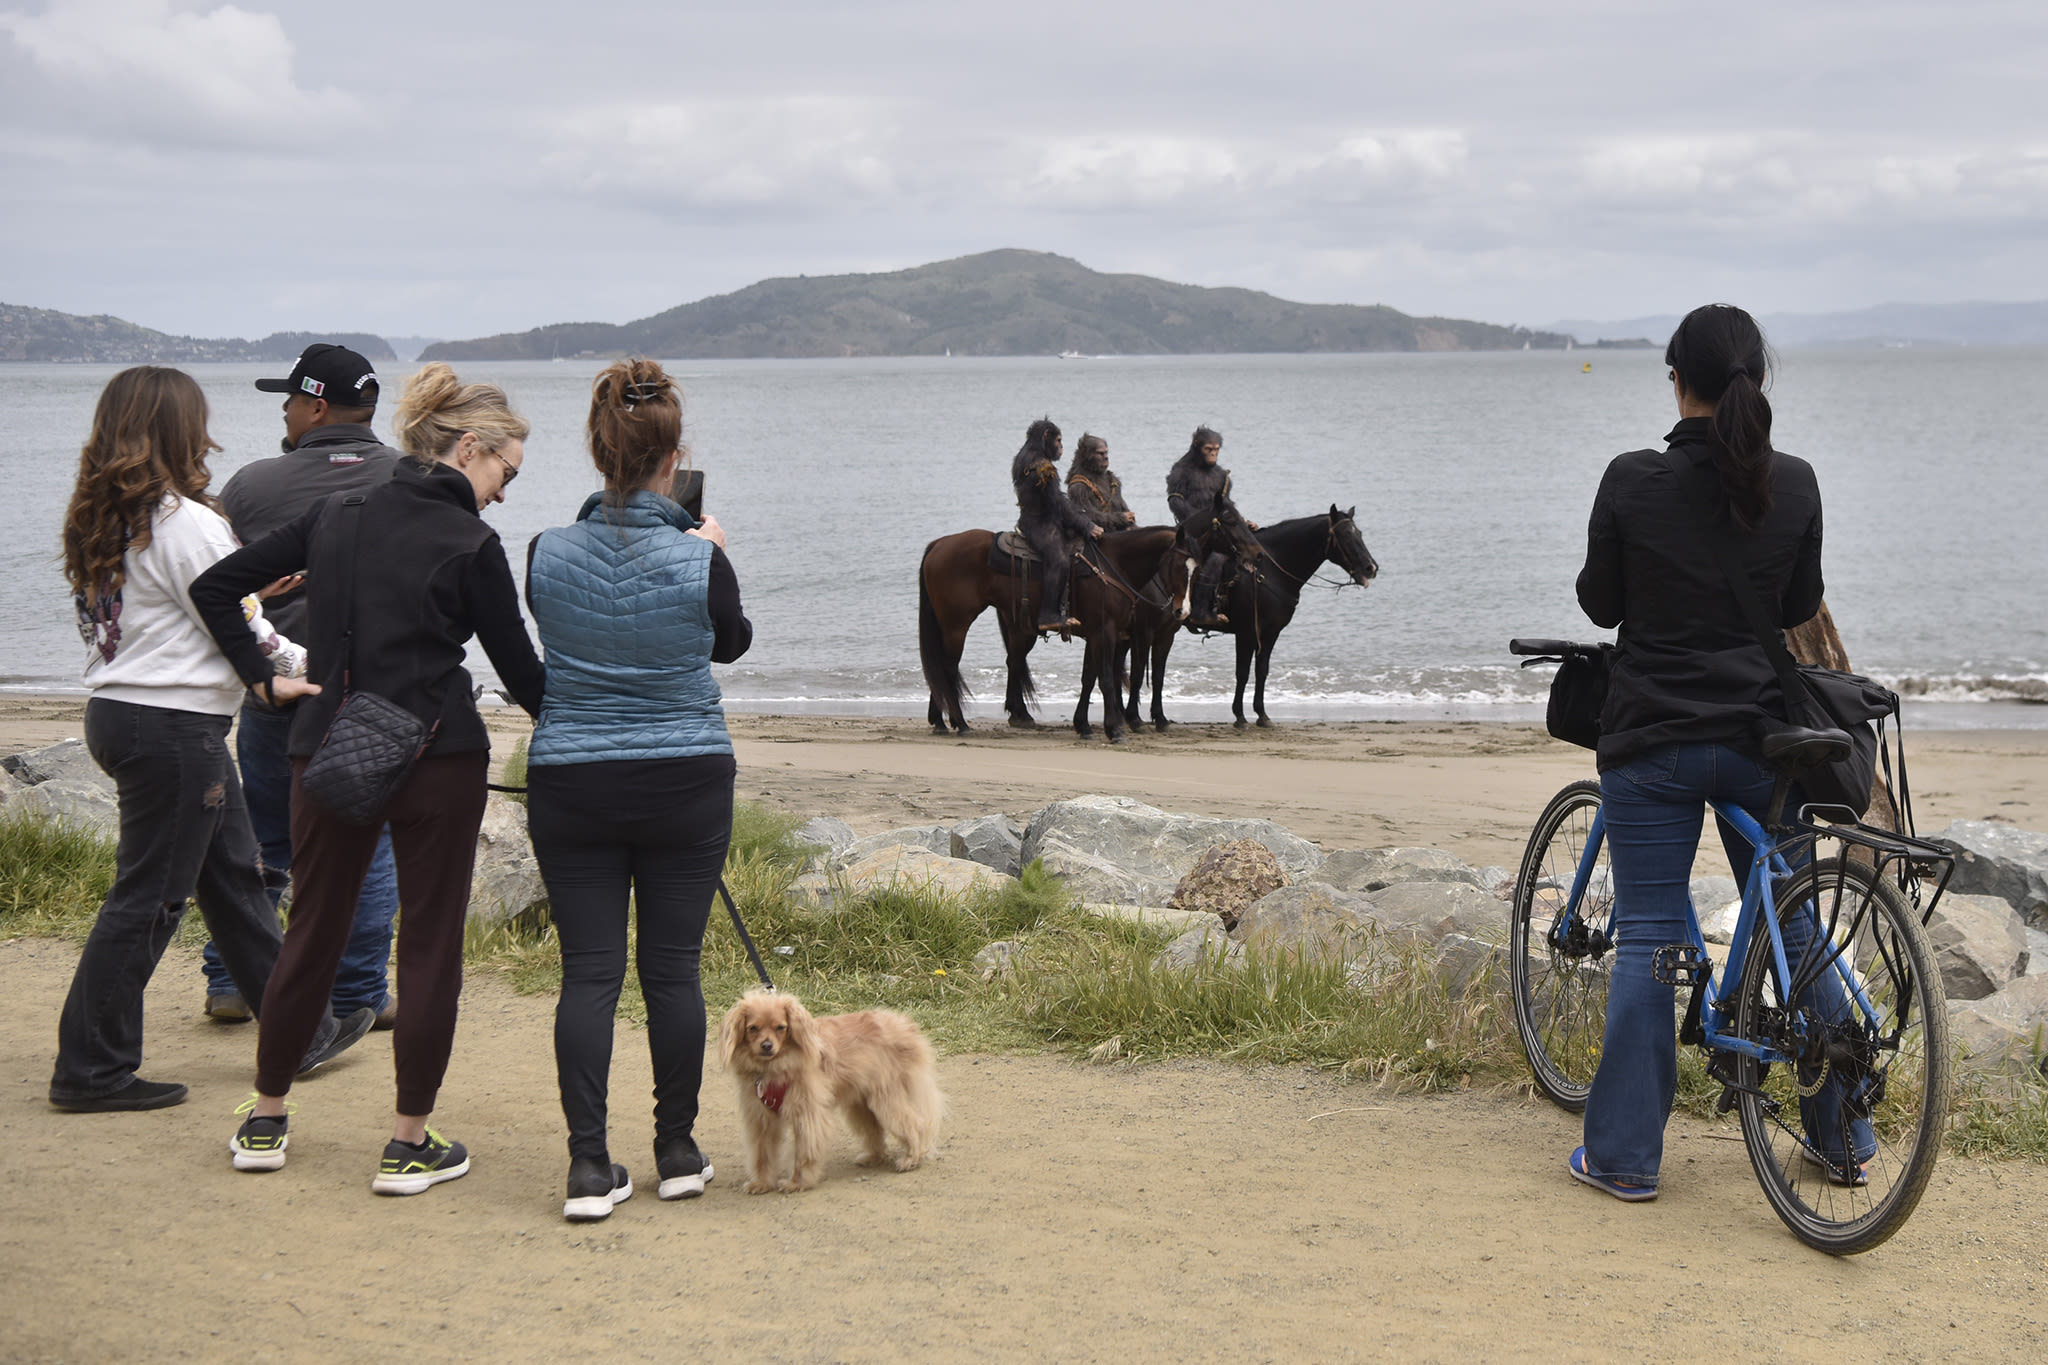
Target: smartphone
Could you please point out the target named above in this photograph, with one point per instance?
(687, 488)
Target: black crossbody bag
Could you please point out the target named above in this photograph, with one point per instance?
(1816, 698)
(372, 742)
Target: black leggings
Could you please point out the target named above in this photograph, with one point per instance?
(656, 831)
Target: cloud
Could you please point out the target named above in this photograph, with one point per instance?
(1237, 177)
(143, 69)
(808, 150)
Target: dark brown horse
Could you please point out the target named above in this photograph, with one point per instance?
(1261, 603)
(956, 582)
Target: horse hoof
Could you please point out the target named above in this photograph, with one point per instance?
(962, 728)
(1085, 731)
(1264, 723)
(1241, 723)
(938, 727)
(1117, 738)
(1022, 723)
(1161, 724)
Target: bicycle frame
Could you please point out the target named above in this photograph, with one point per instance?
(1769, 867)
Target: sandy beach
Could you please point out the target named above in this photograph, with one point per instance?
(1193, 1211)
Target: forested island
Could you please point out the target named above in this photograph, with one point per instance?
(48, 335)
(1007, 302)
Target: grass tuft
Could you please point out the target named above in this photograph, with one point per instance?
(53, 877)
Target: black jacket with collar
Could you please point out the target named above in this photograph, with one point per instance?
(429, 574)
(1688, 668)
(266, 494)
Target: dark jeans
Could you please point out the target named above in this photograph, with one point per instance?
(184, 834)
(597, 851)
(433, 820)
(363, 977)
(1653, 809)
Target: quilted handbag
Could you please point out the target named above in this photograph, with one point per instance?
(372, 742)
(364, 758)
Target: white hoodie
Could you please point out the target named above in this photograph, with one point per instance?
(165, 655)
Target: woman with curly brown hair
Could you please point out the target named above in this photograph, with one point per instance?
(139, 529)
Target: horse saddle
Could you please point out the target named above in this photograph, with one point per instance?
(1009, 549)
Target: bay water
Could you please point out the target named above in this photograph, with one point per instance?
(1472, 475)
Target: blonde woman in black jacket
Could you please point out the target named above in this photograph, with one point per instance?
(428, 574)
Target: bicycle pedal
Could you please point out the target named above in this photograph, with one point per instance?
(1680, 964)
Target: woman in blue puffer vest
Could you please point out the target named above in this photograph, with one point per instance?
(630, 773)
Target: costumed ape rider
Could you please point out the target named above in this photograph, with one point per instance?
(1092, 488)
(1048, 519)
(1198, 495)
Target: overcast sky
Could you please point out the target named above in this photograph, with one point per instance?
(454, 167)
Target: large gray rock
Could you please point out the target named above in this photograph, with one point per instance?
(909, 865)
(935, 838)
(1313, 918)
(1228, 878)
(1435, 909)
(1370, 869)
(2037, 951)
(2000, 860)
(67, 758)
(506, 883)
(1111, 848)
(1980, 943)
(825, 832)
(1469, 965)
(1202, 943)
(2007, 1026)
(991, 840)
(89, 806)
(10, 787)
(1716, 901)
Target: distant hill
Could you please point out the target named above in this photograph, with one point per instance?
(45, 334)
(1888, 324)
(997, 303)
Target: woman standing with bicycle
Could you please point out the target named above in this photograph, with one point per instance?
(1688, 689)
(630, 776)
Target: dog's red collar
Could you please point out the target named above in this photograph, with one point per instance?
(771, 1095)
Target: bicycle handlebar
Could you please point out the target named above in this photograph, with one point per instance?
(1561, 648)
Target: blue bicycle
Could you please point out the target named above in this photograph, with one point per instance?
(1825, 1022)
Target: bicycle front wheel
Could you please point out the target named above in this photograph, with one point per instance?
(1561, 955)
(1844, 1136)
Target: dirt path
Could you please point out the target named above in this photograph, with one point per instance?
(1181, 1212)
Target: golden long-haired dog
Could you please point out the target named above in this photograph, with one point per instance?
(794, 1070)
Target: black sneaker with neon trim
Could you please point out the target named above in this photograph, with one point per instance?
(258, 1145)
(410, 1169)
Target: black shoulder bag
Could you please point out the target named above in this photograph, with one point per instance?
(1816, 698)
(372, 742)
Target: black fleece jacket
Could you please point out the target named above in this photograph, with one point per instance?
(1687, 667)
(429, 574)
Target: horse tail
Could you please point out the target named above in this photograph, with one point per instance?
(941, 673)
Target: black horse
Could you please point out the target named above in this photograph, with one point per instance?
(1262, 602)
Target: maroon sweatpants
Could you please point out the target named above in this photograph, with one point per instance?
(434, 820)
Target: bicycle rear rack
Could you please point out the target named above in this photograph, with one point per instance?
(1905, 859)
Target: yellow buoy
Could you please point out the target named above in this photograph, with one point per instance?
(1586, 368)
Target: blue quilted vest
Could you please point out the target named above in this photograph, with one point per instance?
(621, 601)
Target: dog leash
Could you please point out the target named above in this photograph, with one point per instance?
(738, 924)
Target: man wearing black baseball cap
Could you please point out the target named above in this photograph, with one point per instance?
(330, 398)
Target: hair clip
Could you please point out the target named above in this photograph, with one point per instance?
(646, 391)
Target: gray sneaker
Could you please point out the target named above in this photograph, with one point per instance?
(335, 1037)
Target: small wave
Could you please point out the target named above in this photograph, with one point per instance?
(2027, 688)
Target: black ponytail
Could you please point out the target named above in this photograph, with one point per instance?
(1719, 355)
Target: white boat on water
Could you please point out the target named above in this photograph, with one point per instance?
(1075, 355)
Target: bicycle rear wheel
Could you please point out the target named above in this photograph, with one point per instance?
(1561, 956)
(1844, 1139)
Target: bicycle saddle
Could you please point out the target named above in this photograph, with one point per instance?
(1792, 747)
